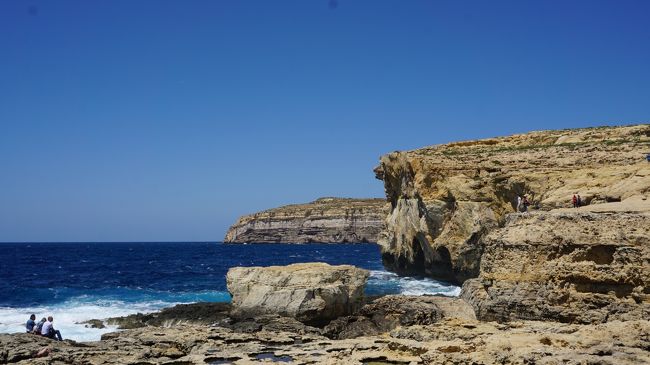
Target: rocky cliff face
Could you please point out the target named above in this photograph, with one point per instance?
(452, 217)
(573, 267)
(326, 220)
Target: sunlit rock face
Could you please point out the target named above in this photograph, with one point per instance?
(578, 267)
(309, 292)
(453, 215)
(326, 220)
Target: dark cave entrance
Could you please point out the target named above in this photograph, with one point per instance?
(414, 265)
(441, 267)
(419, 266)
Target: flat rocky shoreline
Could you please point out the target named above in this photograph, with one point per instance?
(400, 330)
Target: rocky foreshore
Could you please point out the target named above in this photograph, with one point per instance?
(425, 332)
(325, 220)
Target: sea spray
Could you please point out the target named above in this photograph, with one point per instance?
(73, 286)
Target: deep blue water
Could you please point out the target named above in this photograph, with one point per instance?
(46, 273)
(80, 281)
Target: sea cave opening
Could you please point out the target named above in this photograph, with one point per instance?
(418, 264)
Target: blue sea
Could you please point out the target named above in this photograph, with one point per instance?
(75, 282)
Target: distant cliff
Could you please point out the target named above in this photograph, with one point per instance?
(326, 220)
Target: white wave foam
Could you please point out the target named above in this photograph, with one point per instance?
(68, 315)
(412, 286)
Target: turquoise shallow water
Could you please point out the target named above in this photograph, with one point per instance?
(80, 281)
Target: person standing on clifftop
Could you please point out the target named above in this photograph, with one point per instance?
(575, 201)
(525, 203)
(579, 201)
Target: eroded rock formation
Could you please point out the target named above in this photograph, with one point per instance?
(389, 312)
(326, 220)
(565, 266)
(310, 292)
(451, 217)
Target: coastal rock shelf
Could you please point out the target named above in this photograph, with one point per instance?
(326, 220)
(276, 339)
(452, 216)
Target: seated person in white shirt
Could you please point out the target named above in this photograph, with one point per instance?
(48, 330)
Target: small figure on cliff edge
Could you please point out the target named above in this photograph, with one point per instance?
(518, 203)
(575, 201)
(525, 203)
(579, 201)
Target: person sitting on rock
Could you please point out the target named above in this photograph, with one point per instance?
(31, 322)
(39, 326)
(49, 331)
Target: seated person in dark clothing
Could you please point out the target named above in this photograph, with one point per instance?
(31, 322)
(49, 331)
(39, 326)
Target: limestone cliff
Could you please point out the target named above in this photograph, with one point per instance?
(326, 220)
(452, 216)
(580, 267)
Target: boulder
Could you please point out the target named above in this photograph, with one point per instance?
(313, 293)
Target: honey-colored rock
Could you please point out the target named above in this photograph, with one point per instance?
(444, 199)
(389, 312)
(326, 220)
(310, 292)
(565, 266)
(450, 341)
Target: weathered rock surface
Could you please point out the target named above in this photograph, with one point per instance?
(310, 292)
(450, 341)
(445, 198)
(566, 266)
(326, 220)
(195, 313)
(392, 311)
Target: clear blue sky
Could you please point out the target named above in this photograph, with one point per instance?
(166, 120)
